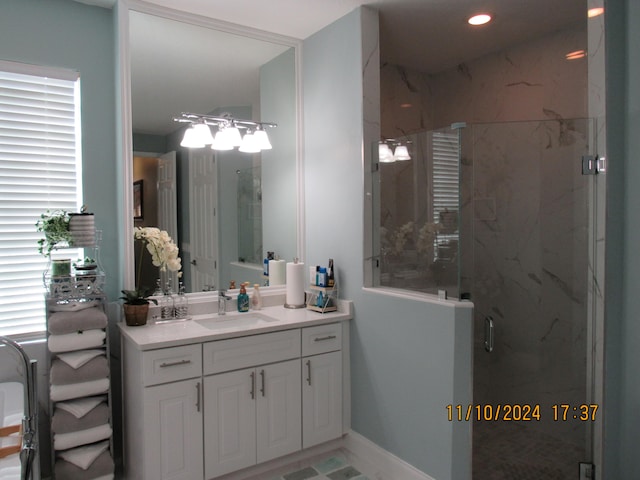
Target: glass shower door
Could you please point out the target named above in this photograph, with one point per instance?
(526, 233)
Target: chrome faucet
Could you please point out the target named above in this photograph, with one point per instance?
(222, 302)
(29, 448)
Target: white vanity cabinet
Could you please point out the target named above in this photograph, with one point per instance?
(163, 413)
(254, 414)
(201, 410)
(321, 384)
(173, 431)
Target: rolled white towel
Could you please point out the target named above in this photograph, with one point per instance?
(59, 393)
(65, 441)
(76, 341)
(81, 406)
(84, 456)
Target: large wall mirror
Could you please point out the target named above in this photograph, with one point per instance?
(225, 209)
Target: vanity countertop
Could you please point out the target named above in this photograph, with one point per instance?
(162, 335)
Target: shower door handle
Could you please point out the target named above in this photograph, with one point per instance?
(488, 334)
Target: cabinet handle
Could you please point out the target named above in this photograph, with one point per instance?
(262, 377)
(173, 364)
(253, 385)
(198, 396)
(309, 372)
(322, 339)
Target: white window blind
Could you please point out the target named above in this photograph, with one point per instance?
(39, 171)
(446, 176)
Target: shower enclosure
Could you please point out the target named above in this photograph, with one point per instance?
(523, 247)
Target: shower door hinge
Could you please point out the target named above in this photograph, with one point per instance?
(587, 471)
(593, 165)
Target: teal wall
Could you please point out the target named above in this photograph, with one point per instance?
(405, 353)
(622, 336)
(66, 34)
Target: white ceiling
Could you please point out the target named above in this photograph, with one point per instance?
(426, 35)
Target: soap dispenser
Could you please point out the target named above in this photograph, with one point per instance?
(181, 303)
(243, 299)
(256, 299)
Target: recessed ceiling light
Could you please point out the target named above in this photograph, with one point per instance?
(479, 19)
(594, 12)
(576, 55)
(406, 105)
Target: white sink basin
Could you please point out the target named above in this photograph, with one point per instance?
(235, 320)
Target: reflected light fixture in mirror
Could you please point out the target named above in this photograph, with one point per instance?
(399, 153)
(228, 136)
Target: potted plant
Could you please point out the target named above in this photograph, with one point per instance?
(55, 226)
(164, 254)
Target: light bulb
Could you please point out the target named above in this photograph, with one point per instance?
(222, 141)
(401, 153)
(384, 153)
(191, 139)
(262, 140)
(234, 135)
(249, 144)
(204, 133)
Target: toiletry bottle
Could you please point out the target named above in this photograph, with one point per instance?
(181, 305)
(320, 300)
(256, 299)
(322, 277)
(243, 299)
(330, 275)
(166, 303)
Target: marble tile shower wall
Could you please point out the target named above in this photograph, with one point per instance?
(530, 81)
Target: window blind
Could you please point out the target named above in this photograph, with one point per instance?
(39, 171)
(446, 176)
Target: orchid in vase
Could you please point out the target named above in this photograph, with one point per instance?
(164, 254)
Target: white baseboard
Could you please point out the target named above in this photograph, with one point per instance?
(381, 464)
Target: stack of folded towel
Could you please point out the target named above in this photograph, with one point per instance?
(79, 386)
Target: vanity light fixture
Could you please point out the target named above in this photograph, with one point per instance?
(399, 153)
(227, 136)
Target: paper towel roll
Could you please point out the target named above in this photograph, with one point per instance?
(295, 284)
(277, 272)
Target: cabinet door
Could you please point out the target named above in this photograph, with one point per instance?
(229, 422)
(279, 409)
(321, 398)
(173, 431)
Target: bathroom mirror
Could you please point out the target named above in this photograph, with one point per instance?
(185, 63)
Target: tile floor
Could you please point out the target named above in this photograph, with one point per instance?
(332, 466)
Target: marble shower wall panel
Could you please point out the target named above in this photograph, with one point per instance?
(406, 101)
(530, 81)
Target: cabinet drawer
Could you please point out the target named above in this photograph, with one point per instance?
(171, 364)
(236, 353)
(321, 339)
